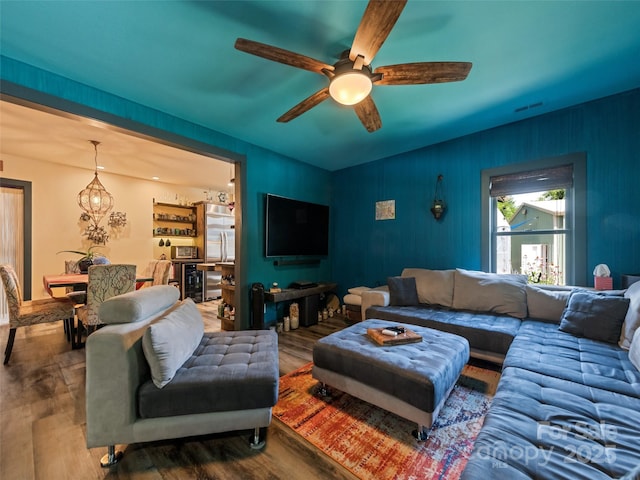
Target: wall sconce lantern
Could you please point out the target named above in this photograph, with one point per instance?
(438, 206)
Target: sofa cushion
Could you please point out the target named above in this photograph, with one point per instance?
(228, 371)
(594, 316)
(632, 318)
(543, 348)
(358, 290)
(490, 292)
(540, 427)
(435, 287)
(402, 291)
(634, 351)
(138, 305)
(546, 305)
(484, 331)
(171, 340)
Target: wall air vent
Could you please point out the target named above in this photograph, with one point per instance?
(528, 107)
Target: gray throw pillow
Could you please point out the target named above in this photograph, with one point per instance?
(594, 316)
(170, 341)
(490, 292)
(402, 291)
(434, 287)
(546, 305)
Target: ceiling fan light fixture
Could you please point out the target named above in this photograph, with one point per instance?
(350, 87)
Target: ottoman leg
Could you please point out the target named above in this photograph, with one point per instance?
(421, 434)
(323, 390)
(255, 442)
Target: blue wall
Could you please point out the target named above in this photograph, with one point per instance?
(366, 252)
(268, 172)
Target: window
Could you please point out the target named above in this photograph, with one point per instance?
(533, 218)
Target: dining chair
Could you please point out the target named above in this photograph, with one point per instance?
(159, 270)
(24, 313)
(104, 282)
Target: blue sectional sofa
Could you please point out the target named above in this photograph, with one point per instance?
(568, 402)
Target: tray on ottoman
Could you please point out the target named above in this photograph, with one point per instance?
(411, 380)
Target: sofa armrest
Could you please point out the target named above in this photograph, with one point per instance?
(372, 298)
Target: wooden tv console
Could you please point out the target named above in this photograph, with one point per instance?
(309, 299)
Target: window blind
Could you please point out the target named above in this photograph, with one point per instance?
(541, 180)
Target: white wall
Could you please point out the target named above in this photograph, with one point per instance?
(56, 215)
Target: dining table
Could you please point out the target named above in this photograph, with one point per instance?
(75, 280)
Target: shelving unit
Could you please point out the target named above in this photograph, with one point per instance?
(228, 292)
(170, 220)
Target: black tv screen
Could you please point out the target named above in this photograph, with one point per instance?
(294, 227)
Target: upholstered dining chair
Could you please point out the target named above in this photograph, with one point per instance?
(105, 281)
(159, 270)
(24, 313)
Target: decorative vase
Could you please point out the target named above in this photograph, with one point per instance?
(84, 264)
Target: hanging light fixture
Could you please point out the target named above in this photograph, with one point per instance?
(95, 200)
(438, 206)
(232, 180)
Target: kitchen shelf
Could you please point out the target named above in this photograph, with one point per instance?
(181, 218)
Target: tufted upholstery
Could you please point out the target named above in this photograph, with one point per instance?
(471, 325)
(24, 313)
(543, 427)
(228, 371)
(542, 348)
(105, 281)
(420, 374)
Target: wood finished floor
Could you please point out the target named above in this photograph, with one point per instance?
(42, 422)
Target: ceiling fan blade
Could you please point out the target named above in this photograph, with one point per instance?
(305, 105)
(379, 18)
(368, 114)
(423, 72)
(282, 56)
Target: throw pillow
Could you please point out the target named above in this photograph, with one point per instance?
(490, 292)
(358, 290)
(632, 319)
(594, 316)
(137, 305)
(435, 287)
(634, 351)
(546, 305)
(170, 341)
(402, 291)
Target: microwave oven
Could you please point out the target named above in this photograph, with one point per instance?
(183, 251)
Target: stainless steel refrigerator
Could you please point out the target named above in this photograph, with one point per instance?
(216, 242)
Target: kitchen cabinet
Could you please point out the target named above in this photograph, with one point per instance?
(170, 220)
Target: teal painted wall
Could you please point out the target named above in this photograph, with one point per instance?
(268, 172)
(366, 252)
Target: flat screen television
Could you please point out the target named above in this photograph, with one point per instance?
(295, 228)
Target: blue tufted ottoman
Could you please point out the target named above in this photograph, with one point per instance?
(412, 380)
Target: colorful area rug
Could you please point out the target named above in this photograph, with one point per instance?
(375, 444)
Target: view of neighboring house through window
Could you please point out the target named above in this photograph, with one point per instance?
(534, 220)
(530, 235)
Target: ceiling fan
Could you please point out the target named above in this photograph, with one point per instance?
(351, 78)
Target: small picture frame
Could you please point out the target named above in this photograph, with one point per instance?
(386, 210)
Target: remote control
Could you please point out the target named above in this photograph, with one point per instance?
(390, 333)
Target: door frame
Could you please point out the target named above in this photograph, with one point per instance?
(27, 230)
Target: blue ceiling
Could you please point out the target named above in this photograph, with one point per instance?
(178, 57)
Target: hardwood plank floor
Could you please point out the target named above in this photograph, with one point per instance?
(42, 421)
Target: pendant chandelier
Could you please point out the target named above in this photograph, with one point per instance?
(95, 200)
